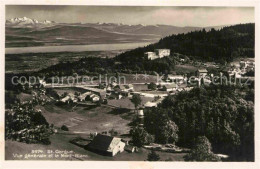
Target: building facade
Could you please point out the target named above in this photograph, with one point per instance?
(162, 52)
(151, 55)
(201, 73)
(158, 53)
(106, 145)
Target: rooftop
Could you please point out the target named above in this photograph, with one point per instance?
(202, 70)
(104, 143)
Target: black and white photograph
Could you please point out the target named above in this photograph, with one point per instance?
(129, 83)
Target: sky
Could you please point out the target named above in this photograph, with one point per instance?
(177, 16)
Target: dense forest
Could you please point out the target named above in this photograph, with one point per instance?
(95, 66)
(220, 46)
(224, 114)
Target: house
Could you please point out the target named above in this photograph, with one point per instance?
(119, 96)
(175, 78)
(113, 84)
(130, 87)
(150, 104)
(115, 96)
(99, 92)
(210, 64)
(170, 87)
(250, 67)
(42, 82)
(67, 99)
(83, 96)
(243, 64)
(201, 73)
(187, 88)
(109, 89)
(124, 88)
(130, 148)
(94, 98)
(237, 75)
(162, 52)
(151, 55)
(106, 145)
(39, 83)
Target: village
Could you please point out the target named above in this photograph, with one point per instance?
(118, 97)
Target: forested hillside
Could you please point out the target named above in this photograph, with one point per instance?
(214, 45)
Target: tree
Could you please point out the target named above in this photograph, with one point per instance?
(101, 86)
(141, 137)
(153, 156)
(157, 122)
(202, 151)
(168, 132)
(164, 88)
(136, 100)
(152, 86)
(23, 123)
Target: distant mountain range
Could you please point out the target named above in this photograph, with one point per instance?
(27, 22)
(21, 32)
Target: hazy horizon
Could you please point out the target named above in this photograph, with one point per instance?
(133, 15)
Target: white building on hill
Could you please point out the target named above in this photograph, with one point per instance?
(158, 53)
(151, 55)
(162, 52)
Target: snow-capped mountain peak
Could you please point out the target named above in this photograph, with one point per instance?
(35, 21)
(26, 22)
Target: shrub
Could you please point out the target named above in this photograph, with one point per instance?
(152, 86)
(153, 156)
(64, 127)
(201, 151)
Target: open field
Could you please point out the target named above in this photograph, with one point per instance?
(126, 102)
(60, 142)
(72, 90)
(81, 119)
(24, 97)
(185, 68)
